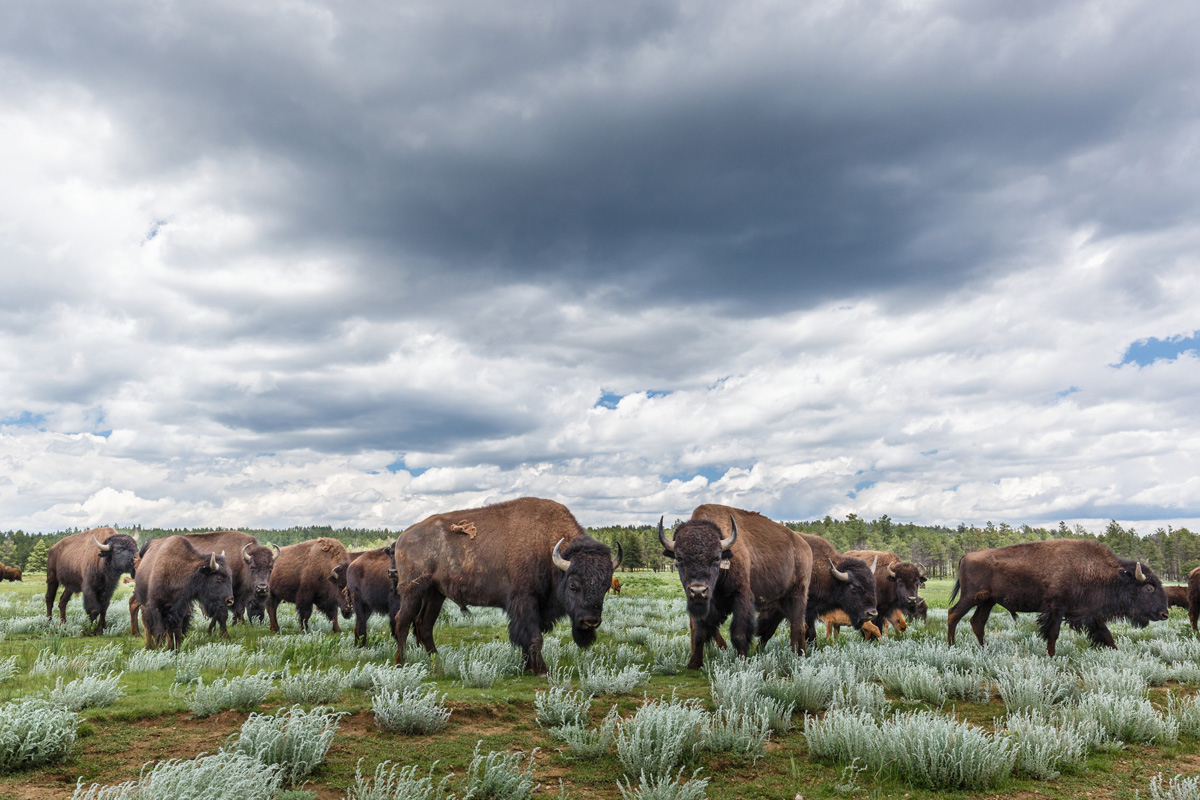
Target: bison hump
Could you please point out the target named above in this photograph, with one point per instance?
(466, 526)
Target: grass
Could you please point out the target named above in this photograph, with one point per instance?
(149, 723)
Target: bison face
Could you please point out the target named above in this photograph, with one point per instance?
(258, 560)
(699, 550)
(118, 553)
(584, 569)
(853, 589)
(215, 581)
(907, 581)
(341, 594)
(1149, 598)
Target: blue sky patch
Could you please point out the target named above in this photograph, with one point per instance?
(26, 419)
(711, 474)
(1144, 352)
(608, 400)
(398, 465)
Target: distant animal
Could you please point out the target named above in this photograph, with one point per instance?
(896, 584)
(1177, 596)
(1194, 596)
(10, 573)
(731, 563)
(90, 563)
(528, 556)
(310, 574)
(174, 575)
(616, 585)
(1079, 581)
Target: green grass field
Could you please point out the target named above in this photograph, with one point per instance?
(151, 721)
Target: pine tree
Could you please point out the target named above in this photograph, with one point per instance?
(36, 562)
(8, 551)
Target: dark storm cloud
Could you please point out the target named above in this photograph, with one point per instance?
(646, 146)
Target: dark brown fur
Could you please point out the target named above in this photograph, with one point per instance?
(370, 590)
(77, 565)
(1076, 580)
(171, 577)
(246, 577)
(1194, 596)
(893, 592)
(1177, 596)
(309, 574)
(769, 565)
(507, 564)
(10, 573)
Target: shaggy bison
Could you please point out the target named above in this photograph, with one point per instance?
(10, 573)
(896, 585)
(1076, 580)
(309, 574)
(1193, 596)
(734, 562)
(369, 586)
(173, 575)
(1177, 596)
(92, 564)
(250, 564)
(528, 556)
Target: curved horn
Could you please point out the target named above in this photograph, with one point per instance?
(333, 573)
(1138, 575)
(245, 555)
(844, 577)
(212, 562)
(667, 544)
(275, 547)
(558, 560)
(620, 556)
(921, 571)
(891, 572)
(728, 543)
(104, 548)
(875, 563)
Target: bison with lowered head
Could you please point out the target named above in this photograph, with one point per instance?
(10, 573)
(896, 585)
(734, 562)
(528, 556)
(171, 577)
(309, 574)
(90, 563)
(369, 585)
(1076, 580)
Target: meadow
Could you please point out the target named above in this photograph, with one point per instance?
(309, 715)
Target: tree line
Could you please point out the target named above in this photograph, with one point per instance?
(1170, 552)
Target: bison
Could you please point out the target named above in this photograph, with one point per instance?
(896, 585)
(1177, 596)
(92, 564)
(309, 574)
(1193, 596)
(920, 610)
(369, 586)
(616, 585)
(10, 573)
(834, 620)
(1076, 580)
(528, 556)
(733, 562)
(173, 575)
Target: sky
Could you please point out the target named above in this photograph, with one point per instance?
(268, 263)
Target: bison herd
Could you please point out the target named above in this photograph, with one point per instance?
(532, 558)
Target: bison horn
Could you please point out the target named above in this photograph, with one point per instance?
(558, 560)
(667, 544)
(333, 573)
(212, 562)
(620, 556)
(104, 548)
(921, 571)
(275, 547)
(891, 572)
(1138, 575)
(245, 555)
(874, 563)
(844, 577)
(728, 542)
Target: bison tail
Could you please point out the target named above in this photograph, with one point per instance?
(954, 591)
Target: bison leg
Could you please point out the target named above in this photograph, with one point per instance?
(410, 605)
(1049, 624)
(426, 618)
(134, 606)
(769, 621)
(362, 613)
(1099, 633)
(797, 616)
(524, 630)
(956, 613)
(51, 590)
(832, 629)
(979, 619)
(219, 618)
(1193, 614)
(716, 639)
(304, 609)
(272, 604)
(62, 603)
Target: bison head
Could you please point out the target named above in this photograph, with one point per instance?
(907, 579)
(342, 595)
(700, 550)
(1145, 593)
(117, 554)
(215, 583)
(259, 560)
(584, 570)
(920, 610)
(852, 588)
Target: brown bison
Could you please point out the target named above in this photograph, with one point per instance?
(1193, 596)
(250, 563)
(616, 585)
(171, 577)
(896, 585)
(834, 620)
(734, 562)
(920, 610)
(92, 564)
(309, 574)
(528, 556)
(1076, 580)
(10, 573)
(1177, 596)
(369, 585)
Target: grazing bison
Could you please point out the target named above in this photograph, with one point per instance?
(251, 568)
(10, 573)
(616, 585)
(1177, 596)
(1076, 580)
(92, 564)
(834, 620)
(1194, 596)
(734, 562)
(174, 574)
(369, 586)
(920, 610)
(309, 574)
(896, 584)
(528, 556)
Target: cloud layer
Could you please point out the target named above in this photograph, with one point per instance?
(282, 263)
